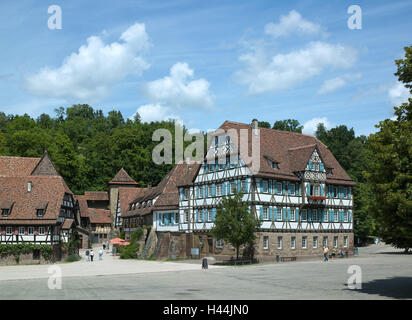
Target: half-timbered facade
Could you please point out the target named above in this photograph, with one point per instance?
(300, 193)
(36, 205)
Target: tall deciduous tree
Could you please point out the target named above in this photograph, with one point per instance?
(235, 222)
(389, 174)
(288, 125)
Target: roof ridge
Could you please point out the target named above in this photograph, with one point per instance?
(303, 147)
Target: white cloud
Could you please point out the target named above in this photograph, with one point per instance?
(310, 127)
(155, 112)
(178, 91)
(91, 73)
(331, 85)
(283, 71)
(398, 94)
(293, 23)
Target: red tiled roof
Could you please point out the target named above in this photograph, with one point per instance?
(292, 151)
(17, 166)
(67, 224)
(96, 195)
(100, 216)
(122, 177)
(166, 191)
(83, 209)
(47, 190)
(127, 195)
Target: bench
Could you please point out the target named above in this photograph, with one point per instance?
(287, 259)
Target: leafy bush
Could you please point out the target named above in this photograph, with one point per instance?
(136, 235)
(130, 251)
(24, 248)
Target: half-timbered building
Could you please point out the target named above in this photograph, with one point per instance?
(36, 205)
(300, 192)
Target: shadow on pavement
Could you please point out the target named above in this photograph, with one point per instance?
(397, 287)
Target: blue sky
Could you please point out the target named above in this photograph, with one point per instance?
(205, 62)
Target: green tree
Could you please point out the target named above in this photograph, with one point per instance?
(264, 124)
(288, 125)
(389, 172)
(235, 222)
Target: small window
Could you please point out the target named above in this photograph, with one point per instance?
(219, 243)
(8, 230)
(335, 215)
(30, 230)
(187, 216)
(233, 188)
(304, 242)
(41, 230)
(345, 241)
(21, 230)
(40, 212)
(265, 213)
(315, 242)
(346, 216)
(292, 214)
(265, 242)
(219, 189)
(315, 215)
(280, 242)
(278, 188)
(335, 242)
(325, 241)
(5, 212)
(304, 215)
(293, 243)
(264, 186)
(279, 213)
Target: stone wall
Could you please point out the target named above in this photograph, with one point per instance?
(174, 245)
(28, 258)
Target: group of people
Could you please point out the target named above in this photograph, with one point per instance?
(90, 254)
(334, 253)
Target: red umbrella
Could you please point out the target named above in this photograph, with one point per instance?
(116, 241)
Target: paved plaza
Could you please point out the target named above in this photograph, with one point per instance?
(386, 274)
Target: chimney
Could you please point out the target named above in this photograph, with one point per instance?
(254, 124)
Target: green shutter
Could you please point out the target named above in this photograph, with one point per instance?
(261, 213)
(297, 214)
(213, 190)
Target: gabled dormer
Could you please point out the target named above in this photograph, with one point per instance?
(315, 162)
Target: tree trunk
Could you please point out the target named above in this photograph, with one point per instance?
(237, 252)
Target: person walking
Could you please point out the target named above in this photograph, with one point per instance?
(91, 255)
(100, 254)
(204, 263)
(104, 245)
(325, 254)
(87, 255)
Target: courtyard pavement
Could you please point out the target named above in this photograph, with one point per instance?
(386, 274)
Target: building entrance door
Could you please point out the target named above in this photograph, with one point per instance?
(210, 244)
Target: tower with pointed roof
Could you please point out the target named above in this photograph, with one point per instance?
(121, 180)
